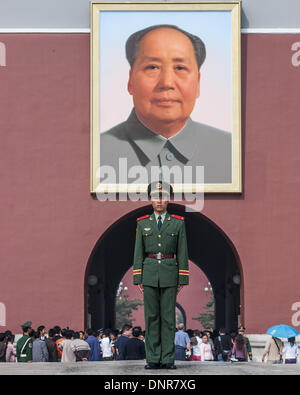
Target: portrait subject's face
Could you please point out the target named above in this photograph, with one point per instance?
(164, 80)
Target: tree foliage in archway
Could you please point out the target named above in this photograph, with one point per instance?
(124, 309)
(207, 319)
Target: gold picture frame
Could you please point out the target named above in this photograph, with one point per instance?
(232, 10)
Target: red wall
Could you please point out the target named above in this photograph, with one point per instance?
(50, 223)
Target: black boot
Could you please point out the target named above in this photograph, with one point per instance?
(169, 366)
(152, 365)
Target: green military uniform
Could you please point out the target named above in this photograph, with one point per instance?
(24, 349)
(248, 345)
(160, 272)
(24, 345)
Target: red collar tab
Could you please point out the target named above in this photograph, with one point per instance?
(145, 216)
(177, 216)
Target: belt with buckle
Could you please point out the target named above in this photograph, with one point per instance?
(160, 256)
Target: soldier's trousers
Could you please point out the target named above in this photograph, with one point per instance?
(159, 308)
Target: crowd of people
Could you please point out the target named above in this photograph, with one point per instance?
(209, 345)
(218, 345)
(66, 345)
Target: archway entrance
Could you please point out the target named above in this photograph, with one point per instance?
(208, 246)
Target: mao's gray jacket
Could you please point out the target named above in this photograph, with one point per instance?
(196, 144)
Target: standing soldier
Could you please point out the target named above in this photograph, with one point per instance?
(160, 270)
(24, 344)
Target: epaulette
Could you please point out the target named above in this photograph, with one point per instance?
(177, 216)
(145, 216)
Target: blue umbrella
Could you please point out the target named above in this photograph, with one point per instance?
(282, 331)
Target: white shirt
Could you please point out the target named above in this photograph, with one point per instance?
(196, 348)
(291, 352)
(106, 347)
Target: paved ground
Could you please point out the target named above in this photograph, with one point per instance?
(131, 368)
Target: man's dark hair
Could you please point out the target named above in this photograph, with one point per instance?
(132, 44)
(38, 333)
(51, 332)
(126, 328)
(57, 329)
(136, 331)
(68, 333)
(291, 340)
(107, 332)
(90, 332)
